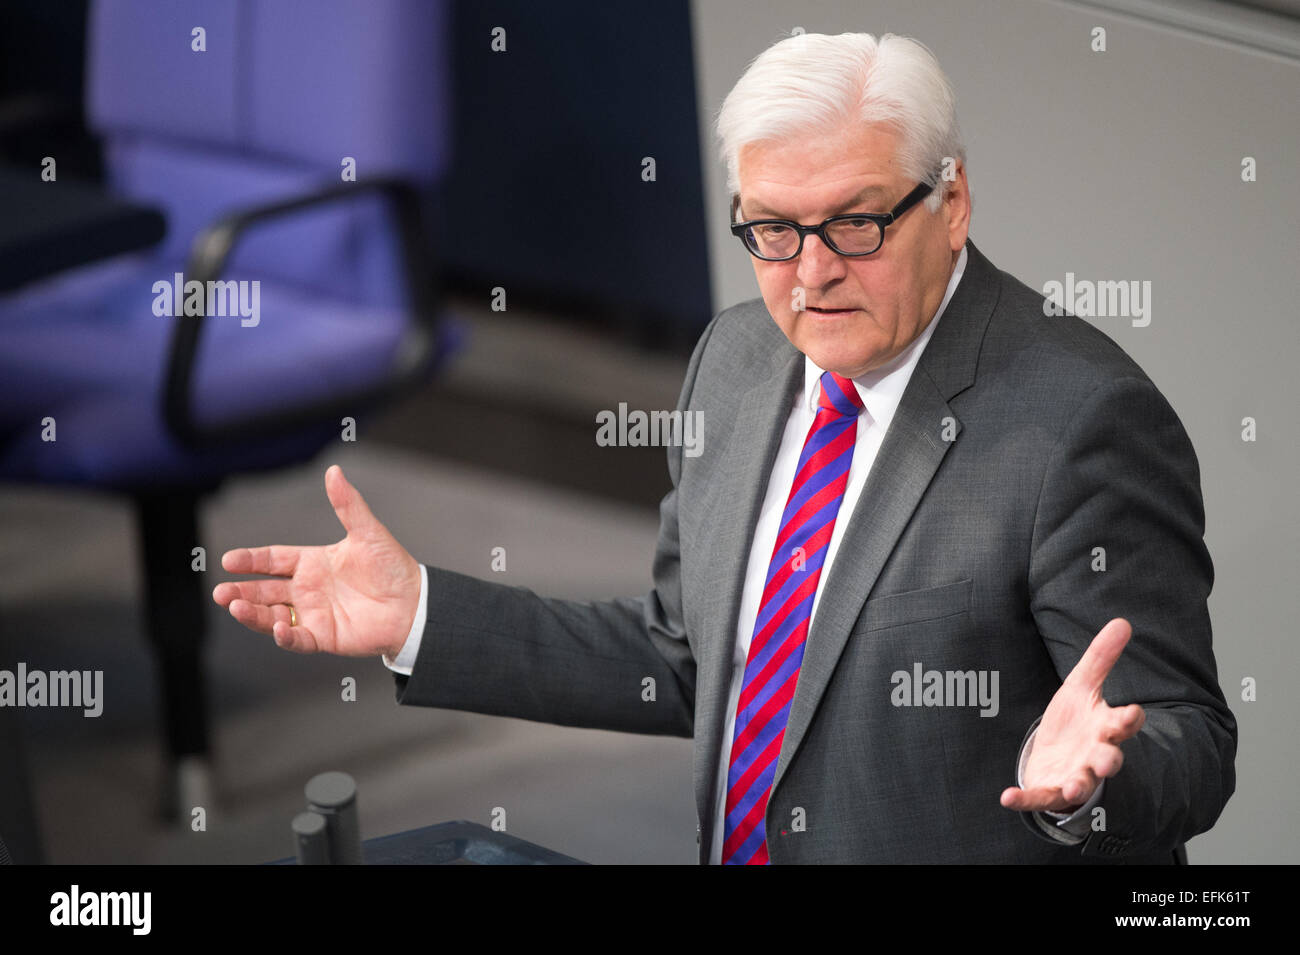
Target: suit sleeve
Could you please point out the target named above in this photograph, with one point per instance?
(506, 651)
(1124, 477)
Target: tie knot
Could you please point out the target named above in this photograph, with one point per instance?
(839, 395)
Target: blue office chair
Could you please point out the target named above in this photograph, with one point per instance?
(239, 121)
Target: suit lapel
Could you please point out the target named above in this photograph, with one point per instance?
(746, 465)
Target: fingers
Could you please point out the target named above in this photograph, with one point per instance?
(1031, 798)
(253, 591)
(298, 639)
(259, 617)
(260, 605)
(1103, 762)
(273, 620)
(349, 506)
(1074, 793)
(1106, 761)
(1077, 791)
(1098, 660)
(277, 559)
(1125, 721)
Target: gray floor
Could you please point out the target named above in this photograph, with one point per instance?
(69, 589)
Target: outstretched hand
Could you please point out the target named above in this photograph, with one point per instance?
(356, 597)
(1077, 742)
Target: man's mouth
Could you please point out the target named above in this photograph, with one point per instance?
(830, 311)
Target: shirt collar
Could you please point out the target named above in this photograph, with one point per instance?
(882, 388)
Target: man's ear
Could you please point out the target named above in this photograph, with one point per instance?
(957, 206)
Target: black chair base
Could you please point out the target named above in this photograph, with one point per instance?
(176, 603)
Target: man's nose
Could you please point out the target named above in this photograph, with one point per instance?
(818, 263)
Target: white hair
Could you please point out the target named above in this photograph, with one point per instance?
(813, 82)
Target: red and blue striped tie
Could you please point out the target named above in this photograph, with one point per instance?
(776, 650)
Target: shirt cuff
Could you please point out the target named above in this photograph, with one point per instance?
(405, 659)
(1076, 823)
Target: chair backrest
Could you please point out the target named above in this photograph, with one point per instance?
(280, 96)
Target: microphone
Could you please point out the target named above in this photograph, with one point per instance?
(329, 832)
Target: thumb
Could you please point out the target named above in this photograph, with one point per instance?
(349, 506)
(1102, 653)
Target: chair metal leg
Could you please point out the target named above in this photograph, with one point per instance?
(174, 597)
(19, 826)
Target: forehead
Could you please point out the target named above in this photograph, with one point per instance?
(817, 174)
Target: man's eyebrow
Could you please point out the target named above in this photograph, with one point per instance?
(871, 192)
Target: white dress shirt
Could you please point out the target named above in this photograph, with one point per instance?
(881, 391)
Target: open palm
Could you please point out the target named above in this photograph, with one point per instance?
(1077, 743)
(356, 597)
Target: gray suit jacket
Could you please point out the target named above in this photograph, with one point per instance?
(1021, 444)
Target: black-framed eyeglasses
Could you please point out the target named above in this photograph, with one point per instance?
(855, 233)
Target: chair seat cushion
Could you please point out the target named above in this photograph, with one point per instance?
(91, 354)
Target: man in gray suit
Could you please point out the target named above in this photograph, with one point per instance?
(993, 603)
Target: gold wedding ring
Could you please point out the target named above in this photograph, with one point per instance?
(293, 616)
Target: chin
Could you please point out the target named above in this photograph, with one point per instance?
(846, 366)
(835, 356)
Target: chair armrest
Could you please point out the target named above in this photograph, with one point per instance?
(208, 258)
